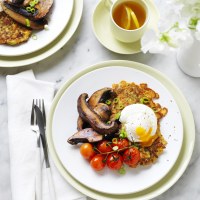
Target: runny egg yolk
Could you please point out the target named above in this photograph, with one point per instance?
(140, 124)
(145, 136)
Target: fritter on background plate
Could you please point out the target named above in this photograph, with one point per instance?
(11, 32)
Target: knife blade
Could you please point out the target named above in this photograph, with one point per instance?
(40, 122)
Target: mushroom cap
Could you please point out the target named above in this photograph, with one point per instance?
(100, 96)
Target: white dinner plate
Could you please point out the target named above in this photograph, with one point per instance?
(58, 19)
(186, 151)
(107, 181)
(59, 42)
(102, 31)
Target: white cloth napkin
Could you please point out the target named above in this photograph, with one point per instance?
(21, 90)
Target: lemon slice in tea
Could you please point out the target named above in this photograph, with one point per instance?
(133, 18)
(126, 18)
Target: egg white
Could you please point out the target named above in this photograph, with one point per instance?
(138, 116)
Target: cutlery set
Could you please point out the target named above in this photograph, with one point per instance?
(38, 126)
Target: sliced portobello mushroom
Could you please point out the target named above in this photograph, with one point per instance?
(43, 8)
(19, 9)
(26, 2)
(103, 111)
(85, 135)
(81, 124)
(17, 1)
(88, 115)
(100, 96)
(22, 16)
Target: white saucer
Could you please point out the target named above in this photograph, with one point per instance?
(101, 29)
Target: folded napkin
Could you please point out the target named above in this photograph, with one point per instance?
(21, 90)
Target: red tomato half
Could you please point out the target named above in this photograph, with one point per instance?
(98, 162)
(104, 146)
(114, 161)
(131, 157)
(121, 143)
(87, 151)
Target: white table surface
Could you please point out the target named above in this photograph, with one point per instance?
(82, 51)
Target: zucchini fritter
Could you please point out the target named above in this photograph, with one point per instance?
(11, 32)
(131, 93)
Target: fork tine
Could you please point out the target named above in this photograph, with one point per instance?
(39, 104)
(32, 113)
(43, 112)
(36, 105)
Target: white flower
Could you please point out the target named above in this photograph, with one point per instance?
(178, 19)
(150, 42)
(165, 42)
(197, 33)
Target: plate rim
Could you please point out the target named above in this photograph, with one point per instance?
(49, 50)
(103, 43)
(26, 53)
(172, 176)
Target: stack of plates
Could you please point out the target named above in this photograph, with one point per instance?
(63, 22)
(140, 183)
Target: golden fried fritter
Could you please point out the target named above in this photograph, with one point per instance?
(131, 93)
(11, 32)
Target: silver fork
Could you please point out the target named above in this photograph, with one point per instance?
(35, 129)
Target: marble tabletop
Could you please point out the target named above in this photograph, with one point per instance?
(82, 51)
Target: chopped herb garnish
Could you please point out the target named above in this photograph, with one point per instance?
(117, 116)
(108, 102)
(122, 133)
(27, 22)
(122, 170)
(144, 100)
(115, 100)
(121, 106)
(114, 140)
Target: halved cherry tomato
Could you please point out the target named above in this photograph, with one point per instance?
(104, 146)
(121, 143)
(131, 157)
(87, 151)
(114, 161)
(98, 162)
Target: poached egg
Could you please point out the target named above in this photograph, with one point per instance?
(140, 123)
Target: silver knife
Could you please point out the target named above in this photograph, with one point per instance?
(40, 121)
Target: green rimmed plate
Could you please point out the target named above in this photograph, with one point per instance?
(58, 11)
(53, 47)
(182, 161)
